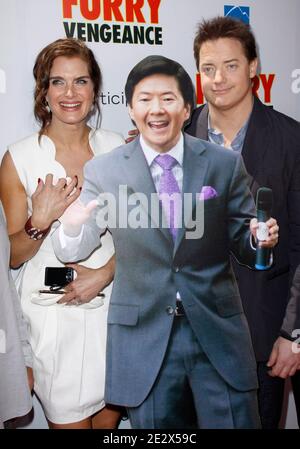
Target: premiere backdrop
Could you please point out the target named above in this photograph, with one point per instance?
(121, 32)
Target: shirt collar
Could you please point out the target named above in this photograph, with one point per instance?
(176, 152)
(218, 138)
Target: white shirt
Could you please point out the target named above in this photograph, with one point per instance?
(156, 171)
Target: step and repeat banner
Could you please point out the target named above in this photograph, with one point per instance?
(122, 32)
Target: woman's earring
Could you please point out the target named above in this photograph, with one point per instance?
(47, 106)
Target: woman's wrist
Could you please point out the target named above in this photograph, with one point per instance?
(35, 232)
(111, 268)
(40, 222)
(107, 274)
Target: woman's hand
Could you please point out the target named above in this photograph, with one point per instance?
(88, 283)
(49, 201)
(132, 134)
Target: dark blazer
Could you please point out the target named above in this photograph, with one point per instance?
(271, 153)
(150, 269)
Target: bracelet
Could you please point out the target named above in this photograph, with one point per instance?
(35, 233)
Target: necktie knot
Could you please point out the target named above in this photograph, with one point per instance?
(166, 162)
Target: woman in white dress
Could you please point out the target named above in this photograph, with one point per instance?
(67, 331)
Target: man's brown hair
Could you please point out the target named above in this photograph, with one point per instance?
(225, 27)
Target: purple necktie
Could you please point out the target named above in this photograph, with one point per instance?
(167, 186)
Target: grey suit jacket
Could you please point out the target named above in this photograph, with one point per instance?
(150, 269)
(15, 398)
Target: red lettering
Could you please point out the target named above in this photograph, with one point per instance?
(267, 83)
(134, 9)
(265, 80)
(88, 14)
(91, 10)
(67, 8)
(255, 85)
(154, 7)
(199, 91)
(112, 6)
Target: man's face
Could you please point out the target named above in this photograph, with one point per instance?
(159, 111)
(225, 73)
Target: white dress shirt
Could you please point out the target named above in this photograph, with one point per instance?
(156, 171)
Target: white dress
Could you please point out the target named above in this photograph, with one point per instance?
(68, 342)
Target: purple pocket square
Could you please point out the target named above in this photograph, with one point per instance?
(207, 193)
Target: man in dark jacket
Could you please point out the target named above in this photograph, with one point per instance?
(225, 54)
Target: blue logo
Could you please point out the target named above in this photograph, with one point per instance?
(238, 12)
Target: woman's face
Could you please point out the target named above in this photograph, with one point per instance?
(71, 91)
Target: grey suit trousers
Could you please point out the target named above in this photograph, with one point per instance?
(189, 393)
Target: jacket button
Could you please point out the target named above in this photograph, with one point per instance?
(170, 310)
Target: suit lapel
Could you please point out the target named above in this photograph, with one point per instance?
(257, 137)
(201, 125)
(256, 142)
(195, 166)
(139, 179)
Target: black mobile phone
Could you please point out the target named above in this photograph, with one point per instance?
(58, 276)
